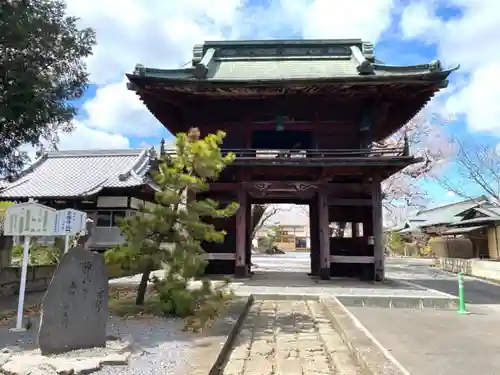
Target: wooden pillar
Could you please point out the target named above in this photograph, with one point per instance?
(355, 229)
(248, 239)
(314, 236)
(324, 234)
(378, 244)
(241, 235)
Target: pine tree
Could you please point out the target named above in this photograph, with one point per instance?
(171, 234)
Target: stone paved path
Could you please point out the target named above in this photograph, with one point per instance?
(288, 338)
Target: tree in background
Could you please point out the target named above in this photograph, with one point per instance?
(428, 140)
(395, 243)
(3, 207)
(268, 242)
(171, 233)
(261, 214)
(42, 70)
(5, 241)
(477, 171)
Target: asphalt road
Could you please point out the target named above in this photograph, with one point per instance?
(416, 271)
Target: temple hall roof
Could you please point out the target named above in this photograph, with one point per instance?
(80, 173)
(271, 61)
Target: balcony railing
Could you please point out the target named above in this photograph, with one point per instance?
(315, 154)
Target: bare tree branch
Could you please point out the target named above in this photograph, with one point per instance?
(267, 212)
(477, 170)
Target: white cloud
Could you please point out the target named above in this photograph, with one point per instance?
(479, 99)
(161, 34)
(84, 138)
(418, 21)
(334, 19)
(471, 39)
(155, 33)
(87, 138)
(116, 109)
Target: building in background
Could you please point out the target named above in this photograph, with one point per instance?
(287, 237)
(465, 229)
(293, 223)
(106, 184)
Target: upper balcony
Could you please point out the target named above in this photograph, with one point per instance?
(316, 157)
(312, 156)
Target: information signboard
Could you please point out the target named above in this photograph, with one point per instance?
(29, 219)
(69, 222)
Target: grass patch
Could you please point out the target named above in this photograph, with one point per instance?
(114, 293)
(122, 303)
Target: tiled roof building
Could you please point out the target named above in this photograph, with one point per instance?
(107, 184)
(80, 173)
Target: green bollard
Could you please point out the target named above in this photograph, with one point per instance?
(461, 297)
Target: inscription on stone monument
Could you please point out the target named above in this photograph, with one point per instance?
(75, 307)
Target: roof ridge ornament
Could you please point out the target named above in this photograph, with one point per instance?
(435, 66)
(124, 176)
(197, 53)
(151, 153)
(365, 67)
(201, 67)
(368, 50)
(142, 158)
(139, 70)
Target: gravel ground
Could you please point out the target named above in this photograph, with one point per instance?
(160, 344)
(162, 341)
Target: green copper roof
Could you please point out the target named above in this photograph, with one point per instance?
(244, 61)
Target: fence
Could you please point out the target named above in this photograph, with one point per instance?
(486, 269)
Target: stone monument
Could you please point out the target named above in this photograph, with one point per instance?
(75, 307)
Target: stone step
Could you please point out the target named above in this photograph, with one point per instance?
(409, 302)
(287, 336)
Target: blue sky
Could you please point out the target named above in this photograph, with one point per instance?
(161, 34)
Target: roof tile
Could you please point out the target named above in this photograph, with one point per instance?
(271, 60)
(281, 69)
(448, 214)
(80, 173)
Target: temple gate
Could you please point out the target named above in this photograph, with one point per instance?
(302, 117)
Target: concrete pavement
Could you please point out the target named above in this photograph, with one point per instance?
(287, 274)
(436, 342)
(418, 272)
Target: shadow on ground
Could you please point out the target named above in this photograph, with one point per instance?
(147, 334)
(476, 292)
(302, 280)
